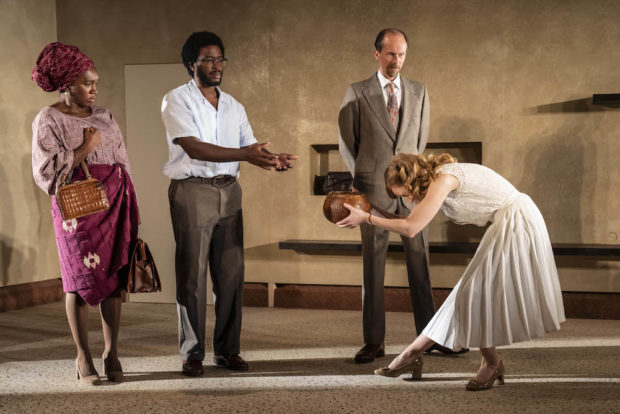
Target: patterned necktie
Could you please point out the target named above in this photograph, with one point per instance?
(392, 106)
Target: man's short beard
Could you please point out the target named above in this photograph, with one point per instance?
(205, 81)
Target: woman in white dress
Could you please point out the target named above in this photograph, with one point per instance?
(510, 290)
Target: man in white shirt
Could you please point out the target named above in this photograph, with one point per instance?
(379, 118)
(208, 134)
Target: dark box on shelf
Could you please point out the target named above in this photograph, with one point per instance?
(333, 181)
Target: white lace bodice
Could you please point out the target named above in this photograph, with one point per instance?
(481, 193)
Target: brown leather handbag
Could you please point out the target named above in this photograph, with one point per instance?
(81, 198)
(143, 276)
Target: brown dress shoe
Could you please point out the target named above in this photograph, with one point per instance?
(232, 362)
(446, 351)
(369, 352)
(192, 368)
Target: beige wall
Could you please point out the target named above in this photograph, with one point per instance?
(27, 245)
(510, 74)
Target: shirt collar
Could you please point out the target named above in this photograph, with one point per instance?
(196, 91)
(384, 81)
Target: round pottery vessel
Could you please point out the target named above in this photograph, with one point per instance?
(334, 209)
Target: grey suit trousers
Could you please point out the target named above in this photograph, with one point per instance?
(374, 250)
(208, 230)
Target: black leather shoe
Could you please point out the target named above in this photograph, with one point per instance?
(369, 352)
(232, 362)
(192, 368)
(445, 351)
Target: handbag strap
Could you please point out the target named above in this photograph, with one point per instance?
(142, 245)
(84, 168)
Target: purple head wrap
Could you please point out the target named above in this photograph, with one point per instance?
(59, 65)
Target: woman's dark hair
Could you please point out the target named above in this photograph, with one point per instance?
(382, 33)
(193, 44)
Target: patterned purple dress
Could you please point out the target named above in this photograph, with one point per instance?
(94, 248)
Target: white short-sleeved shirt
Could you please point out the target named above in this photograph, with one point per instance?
(186, 112)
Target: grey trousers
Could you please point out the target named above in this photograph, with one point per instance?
(374, 250)
(208, 230)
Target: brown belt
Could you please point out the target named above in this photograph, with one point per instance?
(217, 181)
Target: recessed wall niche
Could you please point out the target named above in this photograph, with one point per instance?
(326, 161)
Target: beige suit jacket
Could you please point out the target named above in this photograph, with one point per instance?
(367, 141)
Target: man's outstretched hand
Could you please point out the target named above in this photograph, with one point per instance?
(285, 161)
(258, 155)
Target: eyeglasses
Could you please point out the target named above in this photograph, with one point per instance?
(211, 61)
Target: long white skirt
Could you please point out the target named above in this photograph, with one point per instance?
(510, 290)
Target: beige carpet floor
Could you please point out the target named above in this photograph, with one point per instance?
(300, 362)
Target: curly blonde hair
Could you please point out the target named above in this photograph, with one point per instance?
(414, 173)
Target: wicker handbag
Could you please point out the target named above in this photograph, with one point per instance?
(143, 276)
(81, 198)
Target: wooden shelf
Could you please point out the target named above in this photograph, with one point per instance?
(323, 148)
(476, 145)
(335, 246)
(606, 99)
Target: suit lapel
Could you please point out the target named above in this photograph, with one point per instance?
(405, 113)
(374, 96)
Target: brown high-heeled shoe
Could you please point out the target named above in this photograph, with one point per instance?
(475, 384)
(414, 366)
(92, 379)
(113, 376)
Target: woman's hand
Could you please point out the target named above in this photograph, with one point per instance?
(92, 139)
(354, 219)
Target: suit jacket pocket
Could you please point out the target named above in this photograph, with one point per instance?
(364, 165)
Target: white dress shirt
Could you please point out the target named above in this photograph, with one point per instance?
(397, 87)
(187, 113)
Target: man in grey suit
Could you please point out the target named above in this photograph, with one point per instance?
(380, 117)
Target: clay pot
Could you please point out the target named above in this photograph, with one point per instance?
(334, 209)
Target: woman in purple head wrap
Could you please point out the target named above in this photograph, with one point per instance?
(93, 250)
